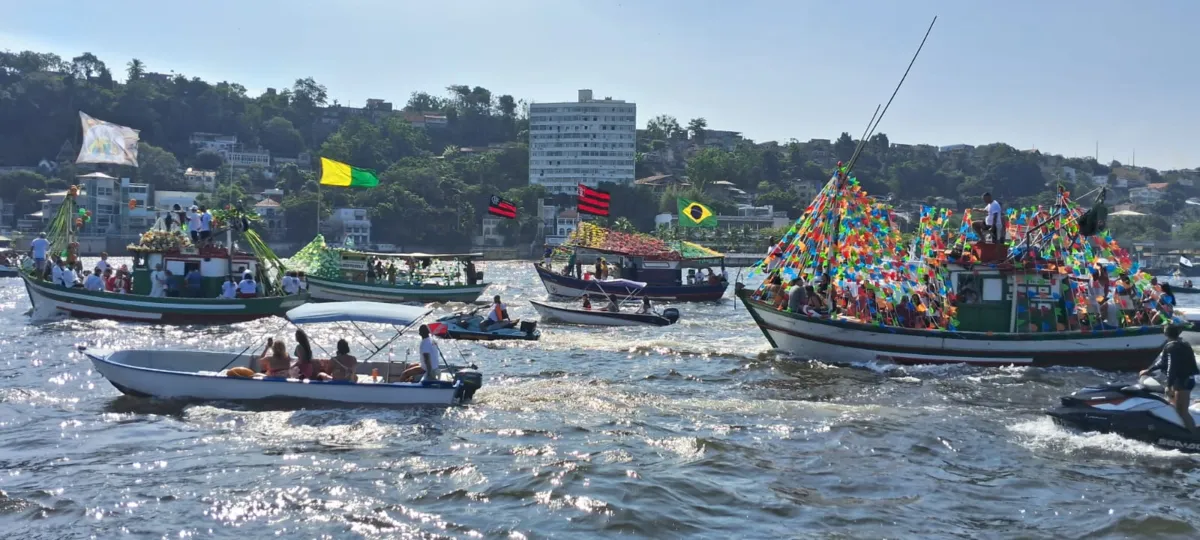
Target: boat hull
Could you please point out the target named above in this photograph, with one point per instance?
(327, 290)
(560, 286)
(48, 298)
(843, 341)
(6, 272)
(176, 377)
(597, 318)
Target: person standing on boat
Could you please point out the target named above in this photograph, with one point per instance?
(546, 252)
(194, 282)
(195, 221)
(1178, 362)
(992, 220)
(158, 282)
(39, 246)
(429, 365)
(103, 264)
(205, 225)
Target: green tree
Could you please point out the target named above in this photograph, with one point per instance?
(281, 137)
(843, 148)
(208, 160)
(158, 167)
(696, 127)
(136, 69)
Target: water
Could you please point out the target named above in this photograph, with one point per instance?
(694, 430)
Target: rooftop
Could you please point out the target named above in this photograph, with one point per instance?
(266, 203)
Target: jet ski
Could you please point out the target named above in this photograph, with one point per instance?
(469, 326)
(1137, 411)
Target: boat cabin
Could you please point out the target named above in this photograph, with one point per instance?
(440, 268)
(653, 271)
(1011, 301)
(214, 263)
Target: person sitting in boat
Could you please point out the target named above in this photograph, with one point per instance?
(305, 367)
(229, 288)
(342, 367)
(290, 283)
(612, 305)
(992, 221)
(122, 283)
(274, 361)
(247, 288)
(1188, 284)
(691, 276)
(107, 278)
(94, 282)
(1178, 362)
(646, 308)
(429, 366)
(587, 302)
(713, 277)
(797, 296)
(497, 316)
(302, 280)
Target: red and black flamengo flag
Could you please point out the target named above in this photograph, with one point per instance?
(502, 208)
(593, 201)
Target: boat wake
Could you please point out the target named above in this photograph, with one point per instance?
(1042, 435)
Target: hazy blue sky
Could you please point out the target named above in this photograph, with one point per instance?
(1058, 75)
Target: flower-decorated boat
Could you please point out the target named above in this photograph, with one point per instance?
(668, 271)
(173, 250)
(1060, 292)
(342, 274)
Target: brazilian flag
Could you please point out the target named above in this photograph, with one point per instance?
(694, 214)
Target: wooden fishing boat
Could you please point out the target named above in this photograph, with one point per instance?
(204, 375)
(341, 274)
(172, 251)
(654, 268)
(1029, 307)
(589, 317)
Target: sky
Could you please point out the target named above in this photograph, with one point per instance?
(1061, 76)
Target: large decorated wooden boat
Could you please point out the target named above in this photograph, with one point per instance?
(1056, 290)
(343, 274)
(172, 251)
(639, 266)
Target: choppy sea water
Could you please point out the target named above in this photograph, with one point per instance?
(695, 430)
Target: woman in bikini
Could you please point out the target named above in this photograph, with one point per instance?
(305, 367)
(343, 366)
(275, 361)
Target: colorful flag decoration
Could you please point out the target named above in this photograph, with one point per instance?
(335, 173)
(104, 142)
(593, 201)
(694, 214)
(502, 208)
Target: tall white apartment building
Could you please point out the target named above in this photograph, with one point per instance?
(585, 142)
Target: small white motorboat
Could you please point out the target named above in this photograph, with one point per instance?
(203, 375)
(599, 317)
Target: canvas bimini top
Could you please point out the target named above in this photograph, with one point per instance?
(370, 312)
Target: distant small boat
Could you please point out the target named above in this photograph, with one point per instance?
(589, 317)
(468, 326)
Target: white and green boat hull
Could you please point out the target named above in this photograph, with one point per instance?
(329, 290)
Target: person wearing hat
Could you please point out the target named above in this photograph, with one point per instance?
(1178, 362)
(194, 223)
(40, 246)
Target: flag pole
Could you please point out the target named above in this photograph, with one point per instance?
(318, 209)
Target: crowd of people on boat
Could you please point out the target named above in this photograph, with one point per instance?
(275, 362)
(383, 270)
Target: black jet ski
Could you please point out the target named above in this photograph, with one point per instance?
(1137, 411)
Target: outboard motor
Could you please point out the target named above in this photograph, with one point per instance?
(528, 327)
(471, 380)
(671, 314)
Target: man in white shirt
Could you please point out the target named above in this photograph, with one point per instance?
(291, 285)
(993, 220)
(229, 288)
(247, 288)
(68, 277)
(57, 272)
(158, 282)
(94, 282)
(205, 225)
(103, 265)
(194, 224)
(430, 359)
(40, 247)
